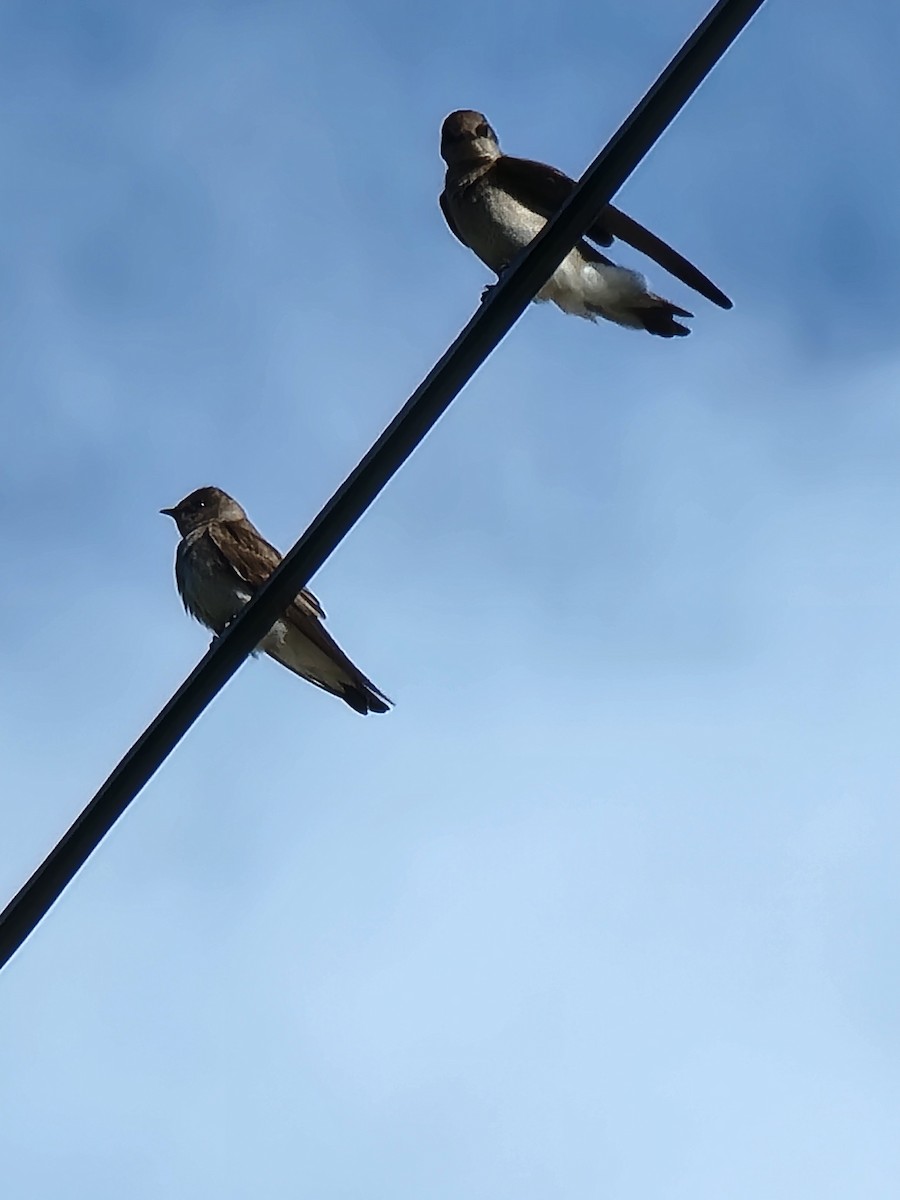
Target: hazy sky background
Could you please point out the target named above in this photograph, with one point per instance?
(607, 907)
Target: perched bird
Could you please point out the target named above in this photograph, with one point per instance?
(222, 560)
(496, 205)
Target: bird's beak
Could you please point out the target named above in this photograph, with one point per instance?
(168, 512)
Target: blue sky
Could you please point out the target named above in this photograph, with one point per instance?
(608, 905)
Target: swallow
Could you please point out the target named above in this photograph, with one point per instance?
(221, 562)
(495, 204)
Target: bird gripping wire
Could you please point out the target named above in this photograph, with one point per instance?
(482, 334)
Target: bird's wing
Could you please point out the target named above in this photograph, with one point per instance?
(451, 224)
(252, 558)
(544, 189)
(622, 226)
(541, 188)
(331, 669)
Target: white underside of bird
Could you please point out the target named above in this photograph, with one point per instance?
(504, 227)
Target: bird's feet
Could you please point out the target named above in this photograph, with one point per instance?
(491, 287)
(502, 274)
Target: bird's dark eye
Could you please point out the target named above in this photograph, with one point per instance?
(484, 131)
(201, 504)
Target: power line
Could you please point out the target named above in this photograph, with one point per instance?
(485, 330)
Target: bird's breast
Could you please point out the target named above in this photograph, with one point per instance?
(211, 591)
(492, 222)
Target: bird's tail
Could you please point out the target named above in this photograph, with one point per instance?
(658, 316)
(362, 695)
(621, 295)
(326, 665)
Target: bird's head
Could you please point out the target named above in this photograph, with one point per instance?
(202, 506)
(466, 136)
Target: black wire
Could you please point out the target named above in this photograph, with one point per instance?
(480, 337)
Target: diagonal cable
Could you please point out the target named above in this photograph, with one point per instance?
(485, 330)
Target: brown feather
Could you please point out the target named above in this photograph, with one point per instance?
(254, 560)
(622, 226)
(541, 188)
(544, 190)
(448, 217)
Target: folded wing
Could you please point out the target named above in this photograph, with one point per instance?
(544, 189)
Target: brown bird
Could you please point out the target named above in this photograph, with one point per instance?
(496, 205)
(222, 560)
